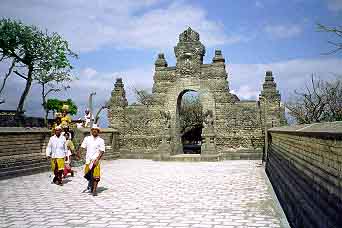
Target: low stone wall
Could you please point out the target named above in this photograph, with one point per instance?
(305, 168)
(22, 151)
(110, 136)
(8, 119)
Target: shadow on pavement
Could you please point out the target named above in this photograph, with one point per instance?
(101, 189)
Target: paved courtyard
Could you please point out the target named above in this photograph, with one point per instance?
(143, 193)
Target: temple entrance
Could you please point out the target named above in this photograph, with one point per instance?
(190, 122)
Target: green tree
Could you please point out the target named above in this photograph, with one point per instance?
(55, 105)
(52, 82)
(72, 107)
(33, 53)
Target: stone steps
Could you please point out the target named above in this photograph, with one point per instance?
(193, 158)
(245, 155)
(10, 164)
(112, 157)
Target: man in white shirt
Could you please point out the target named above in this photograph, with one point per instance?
(95, 147)
(87, 118)
(56, 150)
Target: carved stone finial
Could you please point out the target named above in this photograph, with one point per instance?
(189, 35)
(269, 88)
(119, 83)
(119, 94)
(160, 62)
(189, 52)
(218, 58)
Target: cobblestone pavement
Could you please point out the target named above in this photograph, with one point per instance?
(143, 193)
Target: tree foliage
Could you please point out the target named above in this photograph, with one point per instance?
(72, 106)
(55, 105)
(319, 102)
(34, 55)
(143, 97)
(190, 113)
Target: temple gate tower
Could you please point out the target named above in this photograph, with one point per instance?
(231, 128)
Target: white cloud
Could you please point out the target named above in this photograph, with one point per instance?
(289, 75)
(246, 92)
(335, 5)
(89, 25)
(259, 4)
(283, 31)
(88, 73)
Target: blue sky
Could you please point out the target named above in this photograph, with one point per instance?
(122, 38)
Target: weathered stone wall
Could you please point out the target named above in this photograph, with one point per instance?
(305, 168)
(238, 128)
(8, 119)
(22, 151)
(109, 135)
(142, 128)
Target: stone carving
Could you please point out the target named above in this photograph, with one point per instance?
(208, 119)
(189, 53)
(166, 119)
(229, 124)
(161, 62)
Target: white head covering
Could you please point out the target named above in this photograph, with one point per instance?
(58, 127)
(96, 127)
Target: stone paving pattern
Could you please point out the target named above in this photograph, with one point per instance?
(144, 193)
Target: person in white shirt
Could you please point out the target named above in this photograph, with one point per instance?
(56, 150)
(95, 147)
(87, 118)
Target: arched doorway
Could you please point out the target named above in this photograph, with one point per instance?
(189, 122)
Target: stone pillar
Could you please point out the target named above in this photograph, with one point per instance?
(208, 148)
(116, 112)
(117, 104)
(164, 147)
(218, 58)
(160, 86)
(208, 141)
(160, 62)
(272, 115)
(269, 98)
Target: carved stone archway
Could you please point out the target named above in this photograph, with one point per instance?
(233, 129)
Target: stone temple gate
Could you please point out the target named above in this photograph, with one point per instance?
(232, 129)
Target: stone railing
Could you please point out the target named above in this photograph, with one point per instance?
(110, 136)
(305, 168)
(22, 151)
